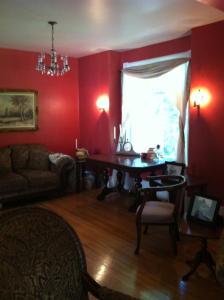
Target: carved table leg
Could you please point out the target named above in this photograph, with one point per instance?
(119, 181)
(138, 186)
(202, 256)
(105, 191)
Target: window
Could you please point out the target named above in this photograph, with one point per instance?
(154, 111)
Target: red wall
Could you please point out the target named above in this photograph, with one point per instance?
(206, 130)
(99, 74)
(58, 116)
(156, 50)
(206, 146)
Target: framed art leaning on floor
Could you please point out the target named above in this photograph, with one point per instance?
(18, 110)
(203, 209)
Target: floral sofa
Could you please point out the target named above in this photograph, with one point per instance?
(27, 172)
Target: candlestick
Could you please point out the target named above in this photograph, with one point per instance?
(124, 136)
(76, 143)
(120, 130)
(114, 133)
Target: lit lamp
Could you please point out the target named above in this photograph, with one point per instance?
(102, 103)
(198, 98)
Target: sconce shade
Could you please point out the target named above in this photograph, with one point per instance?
(102, 103)
(198, 98)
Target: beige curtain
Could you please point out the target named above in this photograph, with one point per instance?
(182, 107)
(157, 69)
(154, 69)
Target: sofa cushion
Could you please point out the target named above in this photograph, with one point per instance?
(38, 160)
(40, 179)
(5, 160)
(12, 182)
(37, 147)
(20, 156)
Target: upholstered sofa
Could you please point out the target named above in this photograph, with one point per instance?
(26, 171)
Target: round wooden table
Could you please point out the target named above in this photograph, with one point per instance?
(203, 233)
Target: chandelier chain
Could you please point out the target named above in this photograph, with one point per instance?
(52, 37)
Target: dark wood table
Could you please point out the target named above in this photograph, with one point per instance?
(135, 166)
(203, 233)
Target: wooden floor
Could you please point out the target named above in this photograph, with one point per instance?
(107, 232)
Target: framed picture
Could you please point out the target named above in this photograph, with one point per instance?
(203, 209)
(174, 168)
(18, 110)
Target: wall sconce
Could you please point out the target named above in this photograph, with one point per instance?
(198, 98)
(103, 103)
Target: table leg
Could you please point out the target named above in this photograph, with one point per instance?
(80, 171)
(202, 256)
(119, 181)
(105, 191)
(138, 187)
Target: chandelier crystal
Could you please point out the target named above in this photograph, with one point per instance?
(54, 69)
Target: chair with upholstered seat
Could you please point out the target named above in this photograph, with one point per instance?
(155, 212)
(171, 168)
(42, 258)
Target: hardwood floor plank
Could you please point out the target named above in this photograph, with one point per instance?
(107, 232)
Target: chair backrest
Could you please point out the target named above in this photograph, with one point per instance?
(173, 184)
(41, 256)
(174, 168)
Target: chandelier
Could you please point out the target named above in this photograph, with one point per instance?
(54, 68)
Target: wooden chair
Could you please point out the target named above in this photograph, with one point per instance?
(42, 258)
(171, 168)
(154, 212)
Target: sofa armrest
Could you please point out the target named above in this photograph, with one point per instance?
(63, 165)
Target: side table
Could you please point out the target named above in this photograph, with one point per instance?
(204, 234)
(80, 172)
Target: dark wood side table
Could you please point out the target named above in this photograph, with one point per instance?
(80, 173)
(203, 233)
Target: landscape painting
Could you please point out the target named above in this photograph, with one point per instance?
(18, 110)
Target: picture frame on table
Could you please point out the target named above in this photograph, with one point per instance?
(203, 209)
(18, 110)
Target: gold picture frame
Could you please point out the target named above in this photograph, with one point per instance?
(18, 110)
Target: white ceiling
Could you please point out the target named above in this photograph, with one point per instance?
(90, 26)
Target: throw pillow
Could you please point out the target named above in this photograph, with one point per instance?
(38, 160)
